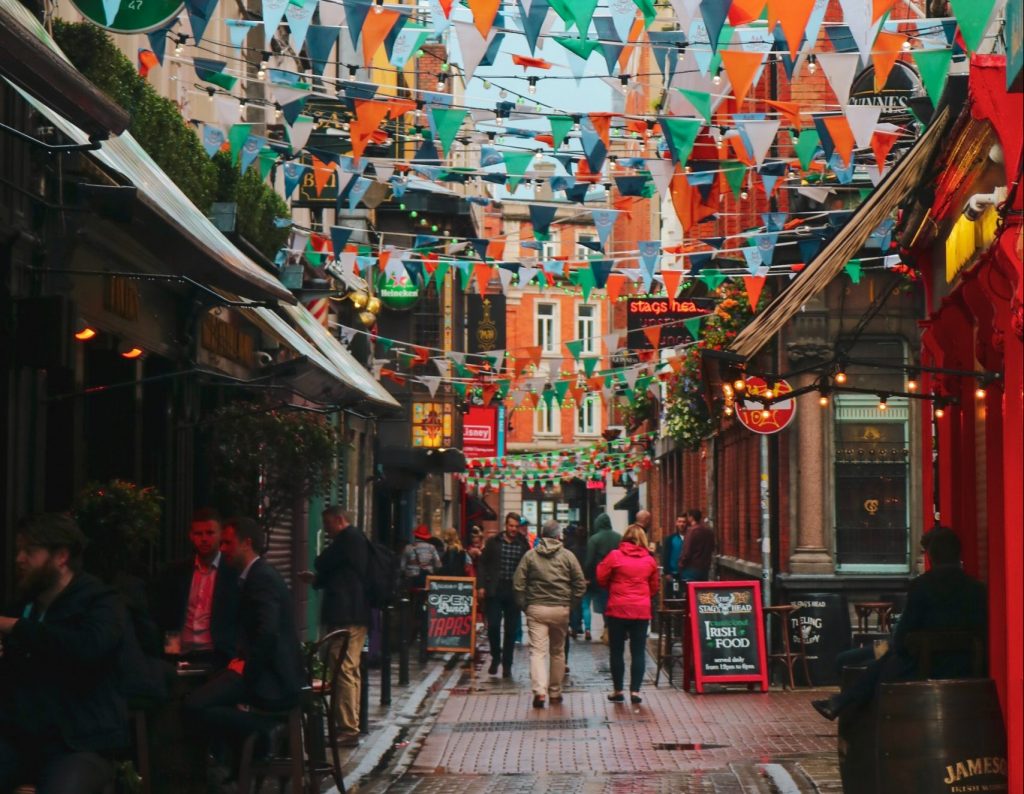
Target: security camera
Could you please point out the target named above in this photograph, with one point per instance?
(264, 358)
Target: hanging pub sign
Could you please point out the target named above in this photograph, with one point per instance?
(727, 633)
(902, 85)
(752, 413)
(485, 323)
(132, 16)
(669, 313)
(397, 293)
(451, 613)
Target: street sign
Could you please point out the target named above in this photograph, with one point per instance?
(752, 413)
(727, 633)
(133, 16)
(451, 613)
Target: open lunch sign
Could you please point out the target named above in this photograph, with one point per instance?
(752, 412)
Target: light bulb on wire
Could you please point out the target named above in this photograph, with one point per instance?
(532, 87)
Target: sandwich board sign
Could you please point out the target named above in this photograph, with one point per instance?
(451, 613)
(727, 633)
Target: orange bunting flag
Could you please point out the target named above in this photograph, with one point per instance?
(686, 202)
(496, 249)
(446, 6)
(793, 15)
(376, 28)
(399, 107)
(672, 279)
(754, 285)
(614, 285)
(595, 383)
(369, 114)
(147, 60)
(422, 354)
(635, 34)
(741, 67)
(393, 376)
(879, 8)
(382, 259)
(530, 63)
(484, 12)
(322, 173)
(482, 274)
(653, 334)
(791, 110)
(602, 123)
(743, 11)
(886, 51)
(842, 136)
(881, 144)
(533, 354)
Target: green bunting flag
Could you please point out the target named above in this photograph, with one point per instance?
(575, 347)
(237, 137)
(584, 278)
(385, 344)
(701, 100)
(439, 273)
(692, 326)
(460, 389)
(583, 13)
(447, 121)
(581, 47)
(561, 389)
(564, 9)
(680, 135)
(267, 159)
(516, 164)
(648, 9)
(972, 17)
(853, 270)
(735, 172)
(560, 126)
(590, 364)
(806, 145)
(711, 276)
(934, 68)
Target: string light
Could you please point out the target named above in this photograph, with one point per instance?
(939, 412)
(912, 384)
(180, 46)
(739, 384)
(823, 400)
(812, 63)
(980, 393)
(840, 377)
(717, 79)
(883, 402)
(379, 7)
(532, 88)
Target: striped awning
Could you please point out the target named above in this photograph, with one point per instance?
(895, 186)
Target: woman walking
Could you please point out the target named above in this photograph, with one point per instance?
(454, 560)
(630, 574)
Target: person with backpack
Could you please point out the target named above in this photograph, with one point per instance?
(454, 560)
(342, 572)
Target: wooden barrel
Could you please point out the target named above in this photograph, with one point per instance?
(940, 737)
(857, 767)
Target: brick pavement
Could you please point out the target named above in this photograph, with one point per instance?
(488, 738)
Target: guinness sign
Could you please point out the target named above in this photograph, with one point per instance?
(902, 85)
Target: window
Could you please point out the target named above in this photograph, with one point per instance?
(584, 252)
(549, 249)
(872, 458)
(588, 416)
(587, 329)
(547, 327)
(546, 421)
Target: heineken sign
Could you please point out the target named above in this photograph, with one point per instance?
(398, 294)
(132, 16)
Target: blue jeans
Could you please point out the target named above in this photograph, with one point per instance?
(579, 620)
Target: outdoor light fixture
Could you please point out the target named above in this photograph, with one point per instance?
(768, 394)
(883, 402)
(727, 410)
(532, 88)
(766, 414)
(130, 351)
(840, 377)
(912, 384)
(739, 384)
(717, 79)
(980, 393)
(84, 332)
(823, 401)
(812, 63)
(939, 412)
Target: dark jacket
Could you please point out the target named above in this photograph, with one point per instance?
(603, 540)
(490, 563)
(943, 598)
(268, 640)
(698, 549)
(671, 549)
(171, 603)
(60, 675)
(341, 574)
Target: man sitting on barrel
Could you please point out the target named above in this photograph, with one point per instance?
(943, 599)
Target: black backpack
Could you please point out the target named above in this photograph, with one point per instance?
(381, 575)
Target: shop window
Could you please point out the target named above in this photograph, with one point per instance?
(547, 327)
(872, 498)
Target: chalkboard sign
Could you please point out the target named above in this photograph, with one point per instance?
(727, 633)
(451, 613)
(824, 623)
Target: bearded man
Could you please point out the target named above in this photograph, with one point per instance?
(62, 714)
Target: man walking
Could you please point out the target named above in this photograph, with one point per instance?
(548, 582)
(698, 549)
(341, 571)
(61, 708)
(498, 563)
(602, 541)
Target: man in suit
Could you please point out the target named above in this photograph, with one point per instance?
(943, 598)
(340, 572)
(267, 670)
(198, 597)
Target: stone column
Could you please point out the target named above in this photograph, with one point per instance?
(810, 553)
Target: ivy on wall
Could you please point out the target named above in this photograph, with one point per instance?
(157, 124)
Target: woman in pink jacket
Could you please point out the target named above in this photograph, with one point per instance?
(630, 574)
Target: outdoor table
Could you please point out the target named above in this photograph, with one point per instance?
(865, 609)
(178, 756)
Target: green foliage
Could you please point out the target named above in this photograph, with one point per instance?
(122, 522)
(291, 451)
(157, 124)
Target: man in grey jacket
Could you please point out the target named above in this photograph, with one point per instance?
(548, 583)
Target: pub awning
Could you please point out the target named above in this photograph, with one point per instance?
(30, 60)
(205, 254)
(895, 186)
(343, 362)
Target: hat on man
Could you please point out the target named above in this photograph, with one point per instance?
(422, 532)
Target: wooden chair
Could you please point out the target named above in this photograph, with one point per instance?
(289, 766)
(324, 694)
(672, 628)
(788, 656)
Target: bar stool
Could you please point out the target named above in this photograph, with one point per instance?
(864, 611)
(788, 656)
(671, 628)
(281, 767)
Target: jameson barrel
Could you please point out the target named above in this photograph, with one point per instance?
(928, 737)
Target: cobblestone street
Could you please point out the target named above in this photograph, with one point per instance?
(488, 738)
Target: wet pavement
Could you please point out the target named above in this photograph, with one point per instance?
(483, 735)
